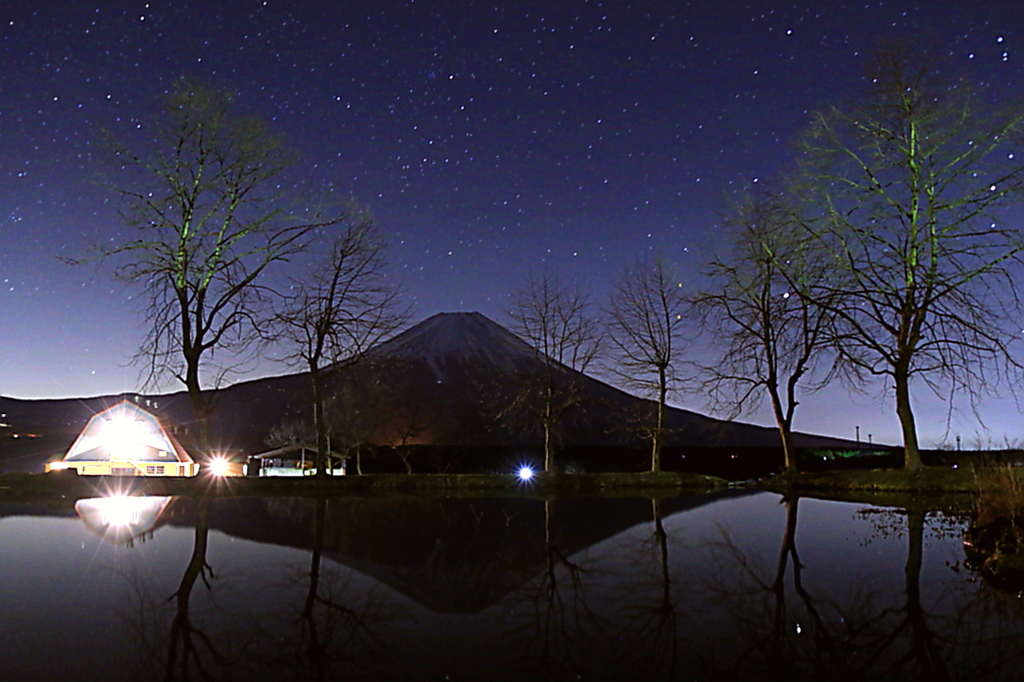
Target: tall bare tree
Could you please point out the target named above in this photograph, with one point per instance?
(760, 309)
(555, 318)
(908, 193)
(347, 304)
(209, 217)
(646, 315)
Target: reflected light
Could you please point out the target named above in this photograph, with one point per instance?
(122, 511)
(525, 473)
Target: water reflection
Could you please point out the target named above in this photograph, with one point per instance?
(189, 646)
(120, 519)
(731, 586)
(861, 632)
(336, 627)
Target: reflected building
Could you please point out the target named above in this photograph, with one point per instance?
(121, 519)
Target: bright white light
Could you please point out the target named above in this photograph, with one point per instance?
(525, 473)
(122, 436)
(219, 466)
(58, 466)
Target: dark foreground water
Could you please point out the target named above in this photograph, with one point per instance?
(722, 587)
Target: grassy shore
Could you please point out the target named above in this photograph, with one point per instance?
(923, 480)
(68, 485)
(832, 484)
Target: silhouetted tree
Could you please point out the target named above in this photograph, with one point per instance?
(761, 308)
(645, 323)
(345, 306)
(209, 216)
(906, 194)
(290, 432)
(554, 318)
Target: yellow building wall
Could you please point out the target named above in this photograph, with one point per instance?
(173, 469)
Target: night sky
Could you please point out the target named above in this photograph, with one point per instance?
(488, 140)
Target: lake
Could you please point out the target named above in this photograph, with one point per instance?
(729, 585)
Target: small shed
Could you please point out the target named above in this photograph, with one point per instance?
(298, 459)
(126, 440)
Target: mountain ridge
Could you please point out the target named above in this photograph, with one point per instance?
(444, 381)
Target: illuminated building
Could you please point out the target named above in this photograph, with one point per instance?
(125, 440)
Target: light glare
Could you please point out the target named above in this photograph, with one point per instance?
(123, 437)
(121, 511)
(219, 466)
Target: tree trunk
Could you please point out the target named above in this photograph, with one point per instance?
(404, 454)
(911, 453)
(200, 405)
(319, 420)
(785, 425)
(659, 429)
(548, 445)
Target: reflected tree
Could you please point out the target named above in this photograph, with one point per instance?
(867, 636)
(563, 624)
(651, 640)
(329, 630)
(189, 647)
(926, 650)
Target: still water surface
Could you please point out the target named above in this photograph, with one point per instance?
(717, 587)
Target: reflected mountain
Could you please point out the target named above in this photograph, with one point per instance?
(449, 555)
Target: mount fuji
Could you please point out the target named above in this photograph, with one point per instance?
(446, 381)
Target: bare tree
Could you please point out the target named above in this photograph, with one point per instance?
(555, 319)
(760, 309)
(357, 413)
(293, 431)
(907, 194)
(209, 216)
(345, 306)
(646, 315)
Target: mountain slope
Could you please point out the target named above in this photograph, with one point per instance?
(449, 380)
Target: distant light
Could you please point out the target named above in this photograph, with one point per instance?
(525, 473)
(219, 466)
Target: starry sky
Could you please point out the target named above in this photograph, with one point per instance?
(489, 140)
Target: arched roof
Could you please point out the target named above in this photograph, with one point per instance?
(126, 432)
